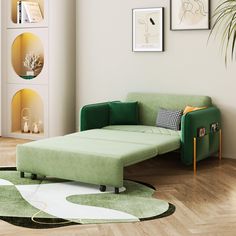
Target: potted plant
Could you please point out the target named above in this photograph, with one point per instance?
(225, 27)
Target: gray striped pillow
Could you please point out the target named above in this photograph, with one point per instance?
(169, 119)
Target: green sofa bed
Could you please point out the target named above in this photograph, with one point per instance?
(99, 153)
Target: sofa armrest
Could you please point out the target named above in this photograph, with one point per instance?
(94, 116)
(206, 145)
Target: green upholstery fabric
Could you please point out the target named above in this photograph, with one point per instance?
(161, 143)
(124, 113)
(97, 115)
(206, 145)
(150, 103)
(96, 156)
(144, 129)
(94, 116)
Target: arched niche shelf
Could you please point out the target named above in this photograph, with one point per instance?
(25, 49)
(27, 109)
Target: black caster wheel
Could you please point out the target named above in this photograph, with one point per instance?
(103, 188)
(117, 191)
(33, 176)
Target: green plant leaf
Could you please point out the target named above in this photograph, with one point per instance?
(224, 26)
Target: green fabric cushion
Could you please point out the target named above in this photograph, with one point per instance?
(95, 156)
(161, 143)
(144, 129)
(122, 113)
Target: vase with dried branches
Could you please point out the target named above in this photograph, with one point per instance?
(225, 27)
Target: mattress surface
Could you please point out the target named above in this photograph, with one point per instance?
(98, 152)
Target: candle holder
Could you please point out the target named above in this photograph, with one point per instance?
(35, 128)
(25, 120)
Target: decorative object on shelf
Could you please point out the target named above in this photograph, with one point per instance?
(189, 14)
(27, 77)
(19, 12)
(26, 120)
(40, 126)
(225, 27)
(33, 11)
(148, 35)
(32, 62)
(35, 129)
(28, 12)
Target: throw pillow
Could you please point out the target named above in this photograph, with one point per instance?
(190, 108)
(169, 119)
(124, 113)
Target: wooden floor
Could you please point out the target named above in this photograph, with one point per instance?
(205, 204)
(8, 150)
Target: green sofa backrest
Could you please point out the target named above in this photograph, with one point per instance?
(150, 103)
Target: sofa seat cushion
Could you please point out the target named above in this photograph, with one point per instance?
(144, 129)
(165, 140)
(132, 147)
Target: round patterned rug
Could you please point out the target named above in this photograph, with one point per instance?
(49, 203)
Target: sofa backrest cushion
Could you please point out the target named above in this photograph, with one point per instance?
(150, 103)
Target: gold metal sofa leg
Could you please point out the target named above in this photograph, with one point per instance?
(195, 156)
(220, 144)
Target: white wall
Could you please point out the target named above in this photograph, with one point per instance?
(0, 68)
(108, 69)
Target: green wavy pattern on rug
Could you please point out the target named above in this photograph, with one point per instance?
(14, 177)
(137, 200)
(12, 204)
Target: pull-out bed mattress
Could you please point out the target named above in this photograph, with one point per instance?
(96, 156)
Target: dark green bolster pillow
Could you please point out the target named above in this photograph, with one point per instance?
(124, 113)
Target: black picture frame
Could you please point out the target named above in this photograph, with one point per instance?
(148, 47)
(208, 18)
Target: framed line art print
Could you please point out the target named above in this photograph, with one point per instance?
(148, 27)
(189, 14)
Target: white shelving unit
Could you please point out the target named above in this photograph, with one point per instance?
(49, 96)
